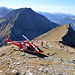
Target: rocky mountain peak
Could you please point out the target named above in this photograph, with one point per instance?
(27, 9)
(26, 22)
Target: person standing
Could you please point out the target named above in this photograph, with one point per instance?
(42, 43)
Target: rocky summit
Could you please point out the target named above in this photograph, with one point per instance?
(24, 21)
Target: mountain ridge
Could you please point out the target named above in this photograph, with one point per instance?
(26, 22)
(64, 34)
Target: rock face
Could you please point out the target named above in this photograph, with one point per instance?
(64, 34)
(26, 22)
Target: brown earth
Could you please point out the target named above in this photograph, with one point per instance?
(60, 61)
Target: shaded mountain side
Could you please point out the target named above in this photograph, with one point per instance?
(5, 28)
(26, 22)
(69, 38)
(64, 34)
(31, 24)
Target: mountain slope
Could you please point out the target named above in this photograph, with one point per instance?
(64, 34)
(26, 22)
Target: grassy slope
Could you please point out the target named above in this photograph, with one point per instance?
(55, 34)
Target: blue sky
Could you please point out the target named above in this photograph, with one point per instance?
(63, 6)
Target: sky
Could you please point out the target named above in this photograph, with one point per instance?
(60, 6)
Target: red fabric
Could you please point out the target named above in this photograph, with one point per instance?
(42, 43)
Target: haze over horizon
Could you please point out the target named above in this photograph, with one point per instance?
(52, 6)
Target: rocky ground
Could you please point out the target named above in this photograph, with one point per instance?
(57, 59)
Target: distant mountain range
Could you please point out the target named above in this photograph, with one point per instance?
(60, 18)
(24, 21)
(4, 11)
(12, 13)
